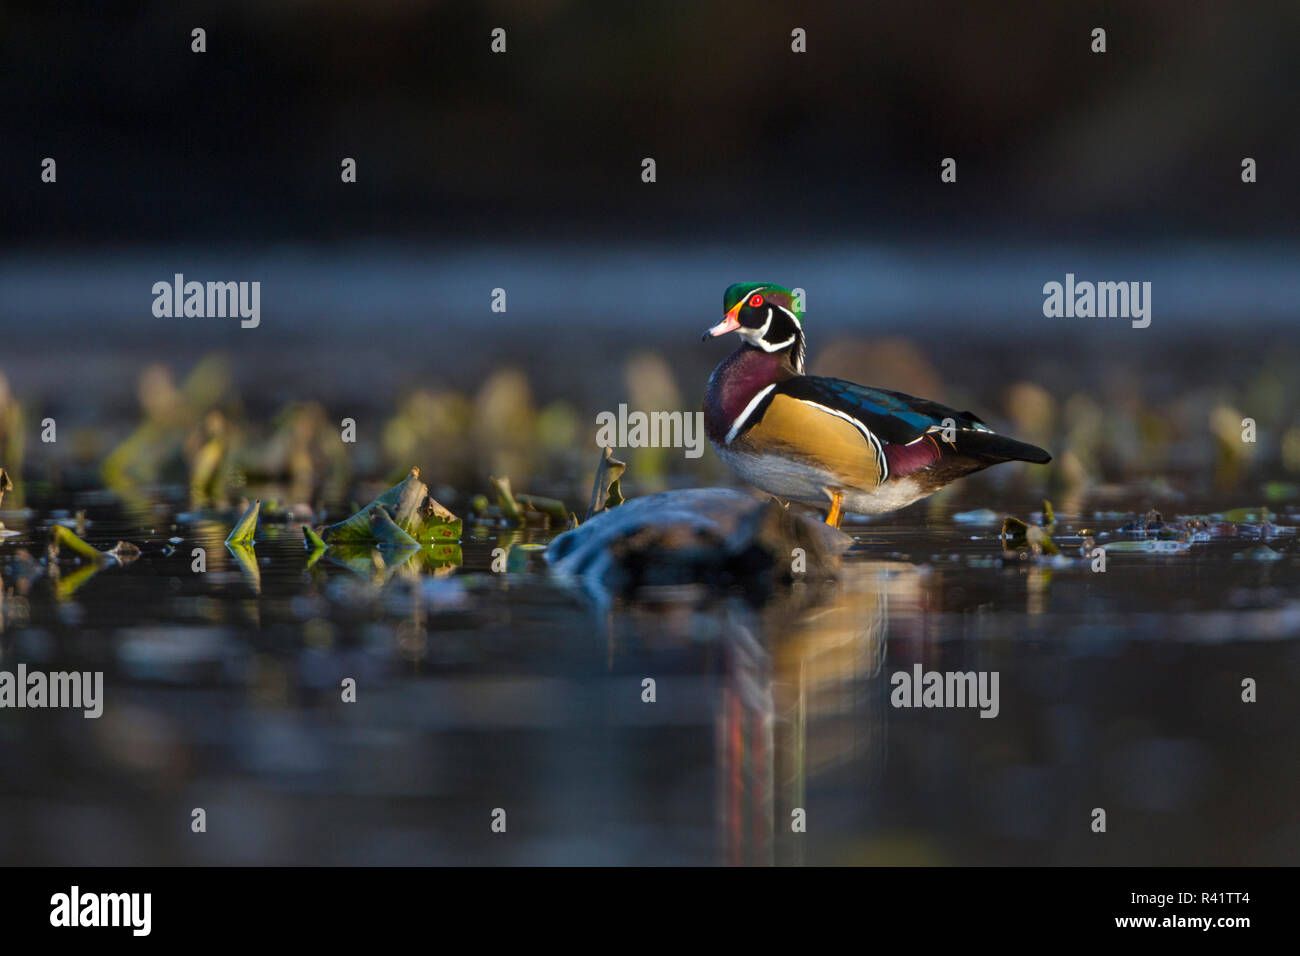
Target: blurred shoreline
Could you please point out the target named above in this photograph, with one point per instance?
(374, 318)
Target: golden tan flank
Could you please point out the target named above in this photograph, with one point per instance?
(795, 429)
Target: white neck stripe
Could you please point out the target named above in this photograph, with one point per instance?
(739, 423)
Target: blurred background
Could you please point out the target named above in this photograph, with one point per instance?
(523, 171)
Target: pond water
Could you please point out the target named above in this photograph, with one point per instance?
(479, 691)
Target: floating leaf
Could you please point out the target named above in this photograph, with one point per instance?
(441, 558)
(67, 584)
(408, 506)
(1018, 534)
(246, 557)
(246, 527)
(438, 524)
(315, 546)
(1013, 531)
(370, 563)
(66, 538)
(385, 531)
(400, 502)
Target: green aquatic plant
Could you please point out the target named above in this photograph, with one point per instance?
(1036, 537)
(373, 564)
(517, 508)
(61, 537)
(441, 558)
(67, 538)
(246, 558)
(171, 415)
(408, 507)
(246, 527)
(387, 533)
(506, 501)
(551, 507)
(605, 491)
(66, 585)
(302, 453)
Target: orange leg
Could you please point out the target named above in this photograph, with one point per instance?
(836, 515)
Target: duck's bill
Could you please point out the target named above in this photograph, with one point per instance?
(729, 324)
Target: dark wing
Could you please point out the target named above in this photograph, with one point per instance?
(891, 416)
(909, 428)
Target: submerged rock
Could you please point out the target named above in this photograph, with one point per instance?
(713, 537)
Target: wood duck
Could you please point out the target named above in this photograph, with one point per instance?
(826, 442)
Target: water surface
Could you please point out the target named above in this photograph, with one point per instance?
(479, 691)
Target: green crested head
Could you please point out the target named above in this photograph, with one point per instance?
(765, 316)
(776, 294)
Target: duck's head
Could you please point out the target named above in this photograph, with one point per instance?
(765, 316)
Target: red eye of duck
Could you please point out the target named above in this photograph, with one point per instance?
(755, 301)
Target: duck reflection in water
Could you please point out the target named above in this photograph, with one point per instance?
(799, 687)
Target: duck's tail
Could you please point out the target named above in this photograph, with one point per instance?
(992, 448)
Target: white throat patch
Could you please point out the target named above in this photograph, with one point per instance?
(756, 337)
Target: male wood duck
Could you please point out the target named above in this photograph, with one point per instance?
(826, 442)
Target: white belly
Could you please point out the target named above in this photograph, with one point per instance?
(795, 481)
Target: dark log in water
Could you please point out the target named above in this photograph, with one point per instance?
(714, 537)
